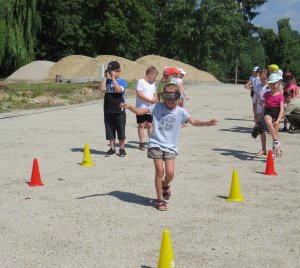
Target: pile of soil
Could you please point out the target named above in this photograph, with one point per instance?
(77, 66)
(34, 71)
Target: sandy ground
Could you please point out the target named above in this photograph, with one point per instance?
(103, 216)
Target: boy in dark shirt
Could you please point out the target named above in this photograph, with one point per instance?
(114, 116)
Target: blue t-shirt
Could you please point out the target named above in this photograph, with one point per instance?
(166, 126)
(113, 99)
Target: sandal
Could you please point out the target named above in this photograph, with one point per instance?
(161, 205)
(260, 153)
(166, 192)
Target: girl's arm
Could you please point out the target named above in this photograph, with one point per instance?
(281, 111)
(135, 110)
(200, 123)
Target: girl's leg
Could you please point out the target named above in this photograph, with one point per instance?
(263, 139)
(159, 174)
(269, 122)
(169, 175)
(278, 151)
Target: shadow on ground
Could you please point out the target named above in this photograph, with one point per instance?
(237, 129)
(125, 197)
(238, 119)
(93, 151)
(242, 155)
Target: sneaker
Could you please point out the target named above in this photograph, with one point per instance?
(142, 146)
(284, 129)
(110, 152)
(122, 152)
(276, 144)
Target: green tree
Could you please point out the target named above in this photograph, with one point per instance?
(91, 27)
(221, 27)
(61, 32)
(252, 55)
(248, 7)
(19, 23)
(269, 41)
(177, 30)
(286, 44)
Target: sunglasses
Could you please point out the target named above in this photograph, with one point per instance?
(170, 96)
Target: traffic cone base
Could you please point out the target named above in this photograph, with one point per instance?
(87, 161)
(270, 169)
(166, 258)
(235, 192)
(35, 175)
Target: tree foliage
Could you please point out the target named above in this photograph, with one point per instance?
(19, 24)
(213, 35)
(221, 28)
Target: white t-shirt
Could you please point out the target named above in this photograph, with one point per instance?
(148, 90)
(260, 102)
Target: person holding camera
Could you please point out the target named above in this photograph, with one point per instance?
(114, 115)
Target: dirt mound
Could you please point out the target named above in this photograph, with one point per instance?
(77, 66)
(161, 62)
(68, 66)
(34, 71)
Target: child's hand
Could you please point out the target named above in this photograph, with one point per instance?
(212, 122)
(112, 74)
(154, 100)
(125, 105)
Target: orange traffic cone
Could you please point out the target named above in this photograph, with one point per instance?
(35, 176)
(270, 170)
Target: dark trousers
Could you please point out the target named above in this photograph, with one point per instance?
(294, 119)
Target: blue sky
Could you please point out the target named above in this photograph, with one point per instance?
(274, 10)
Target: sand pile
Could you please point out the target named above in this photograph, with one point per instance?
(34, 71)
(78, 66)
(161, 62)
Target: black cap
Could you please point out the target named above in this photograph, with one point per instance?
(113, 65)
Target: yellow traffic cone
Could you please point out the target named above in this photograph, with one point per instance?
(166, 258)
(87, 161)
(235, 192)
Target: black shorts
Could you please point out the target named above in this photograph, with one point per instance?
(273, 112)
(143, 118)
(115, 122)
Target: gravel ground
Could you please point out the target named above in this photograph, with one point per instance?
(103, 216)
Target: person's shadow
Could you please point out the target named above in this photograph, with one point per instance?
(242, 155)
(92, 151)
(238, 130)
(126, 197)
